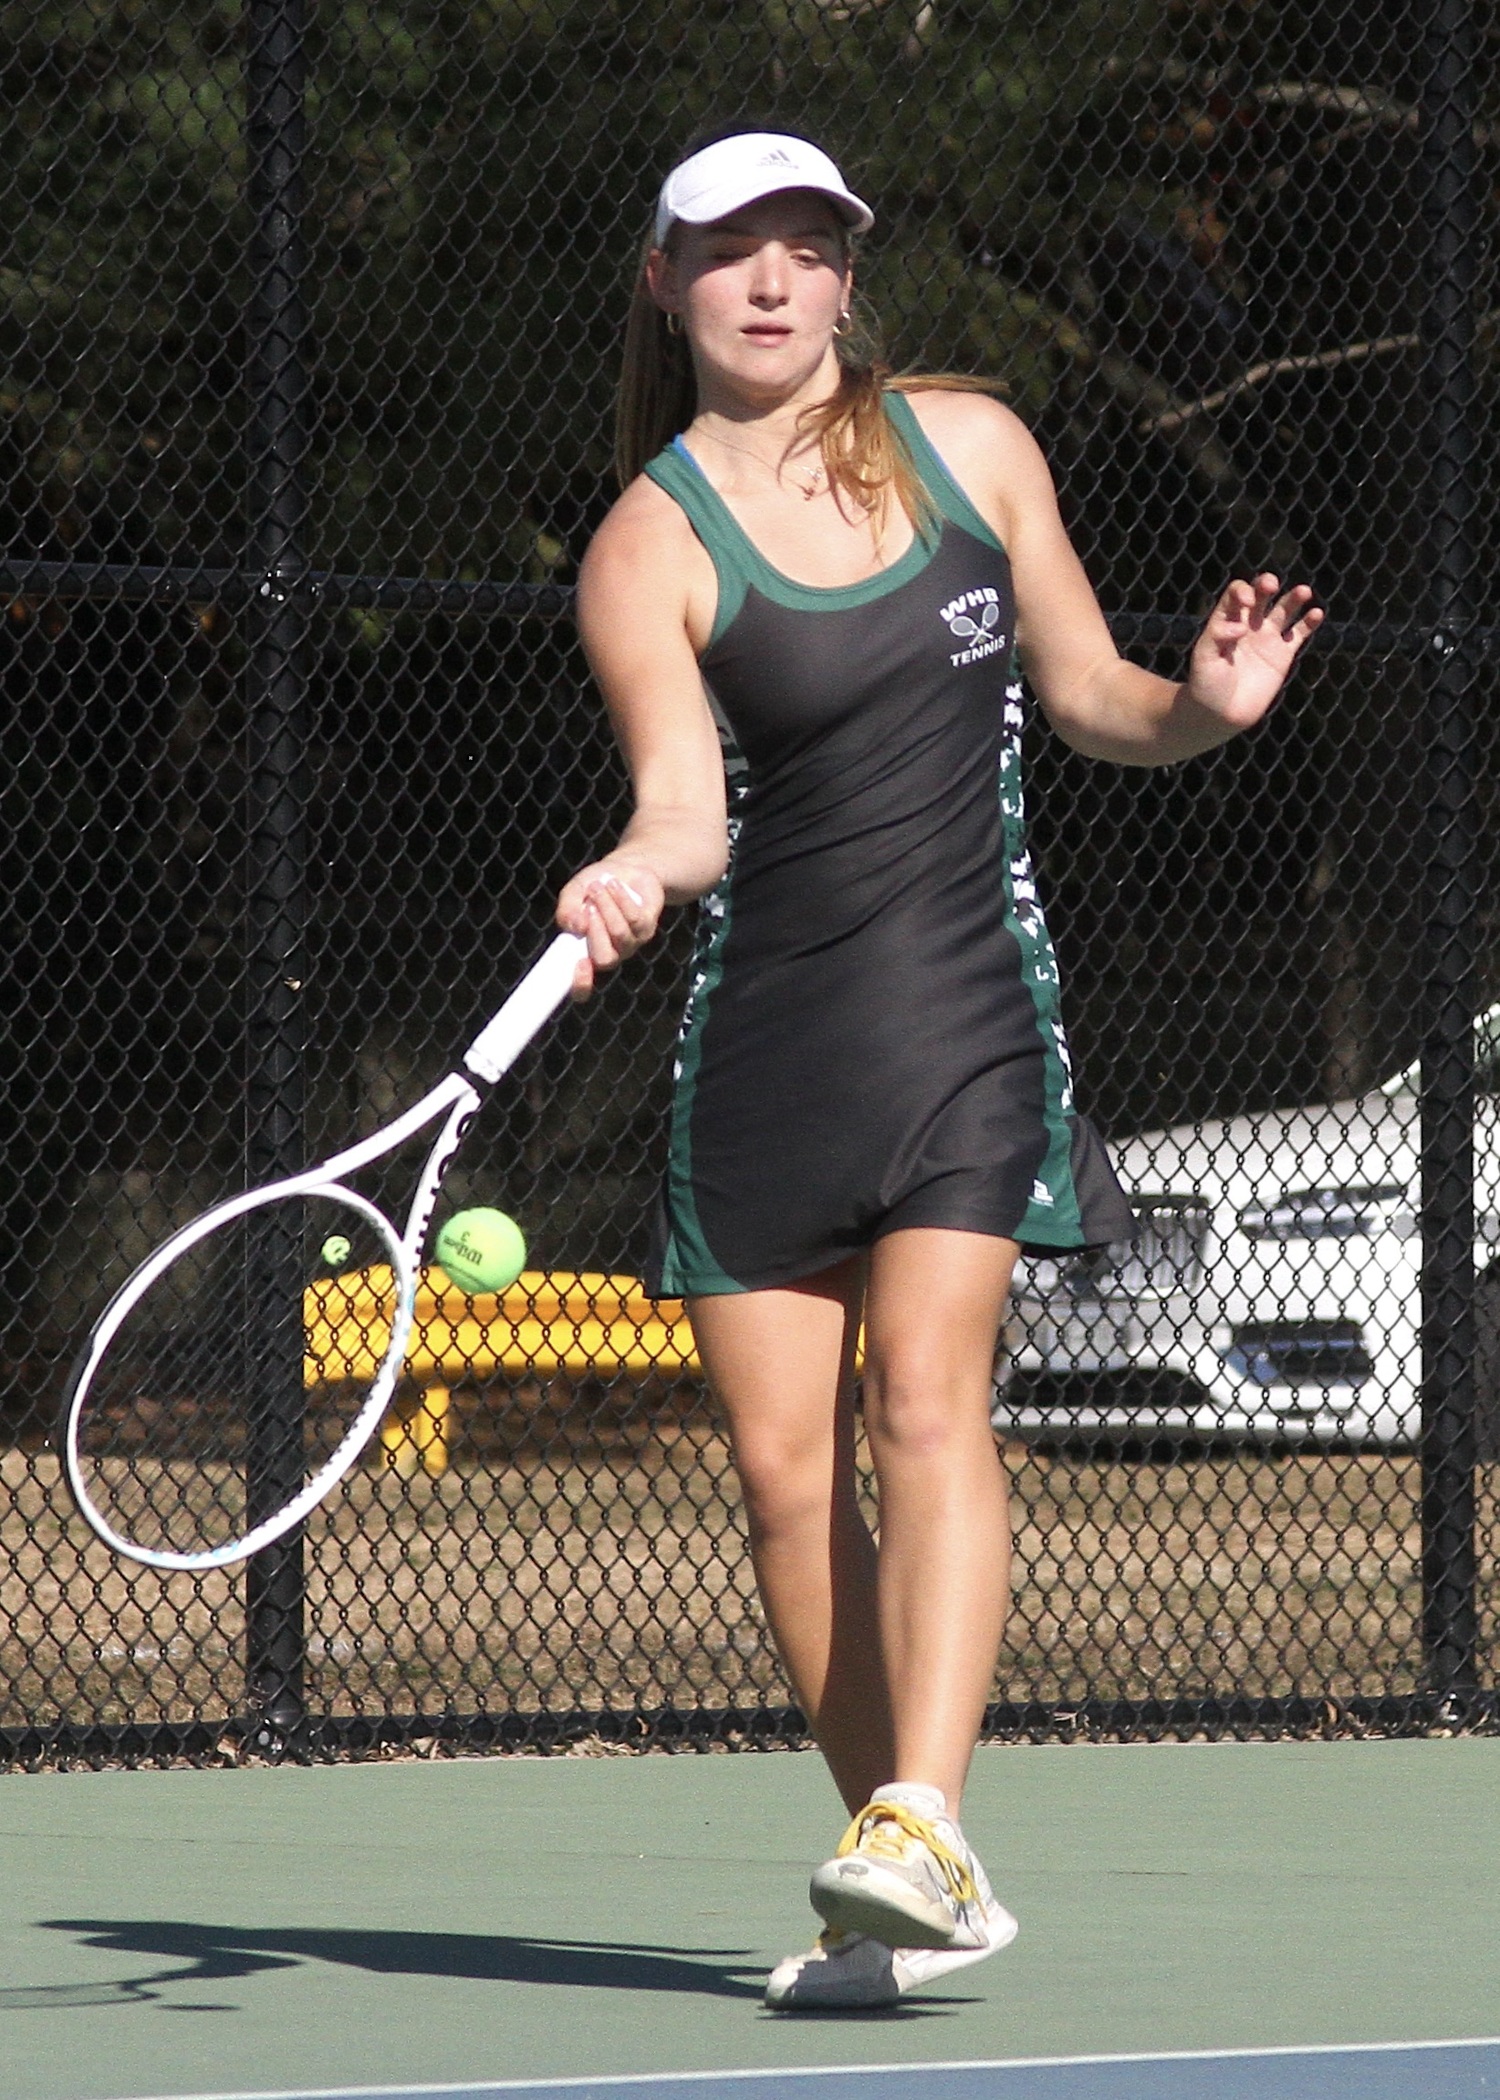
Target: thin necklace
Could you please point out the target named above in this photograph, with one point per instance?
(807, 489)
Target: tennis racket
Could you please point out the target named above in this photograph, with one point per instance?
(186, 1433)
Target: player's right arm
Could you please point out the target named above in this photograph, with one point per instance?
(645, 594)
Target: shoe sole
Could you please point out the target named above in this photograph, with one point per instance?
(932, 1965)
(884, 1908)
(791, 2003)
(911, 1968)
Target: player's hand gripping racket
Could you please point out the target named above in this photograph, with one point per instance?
(183, 1431)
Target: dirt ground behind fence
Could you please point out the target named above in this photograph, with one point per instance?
(599, 1560)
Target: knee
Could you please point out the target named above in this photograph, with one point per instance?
(913, 1412)
(786, 1482)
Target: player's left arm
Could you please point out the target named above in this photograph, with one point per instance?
(1095, 700)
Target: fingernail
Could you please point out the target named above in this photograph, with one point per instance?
(616, 882)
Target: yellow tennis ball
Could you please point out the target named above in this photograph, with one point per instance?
(481, 1250)
(336, 1250)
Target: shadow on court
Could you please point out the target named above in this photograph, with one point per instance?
(218, 1953)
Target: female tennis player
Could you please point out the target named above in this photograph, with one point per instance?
(804, 614)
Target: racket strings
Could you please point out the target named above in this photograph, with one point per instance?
(233, 1376)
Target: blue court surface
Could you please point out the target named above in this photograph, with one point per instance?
(1395, 2071)
(1269, 1921)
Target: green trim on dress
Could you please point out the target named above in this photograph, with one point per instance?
(739, 563)
(933, 473)
(688, 1266)
(1053, 1216)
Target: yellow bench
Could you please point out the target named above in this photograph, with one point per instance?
(576, 1323)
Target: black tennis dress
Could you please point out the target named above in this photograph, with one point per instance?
(872, 1038)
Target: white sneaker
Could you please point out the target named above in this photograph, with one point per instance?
(848, 1969)
(843, 1969)
(918, 1965)
(905, 1876)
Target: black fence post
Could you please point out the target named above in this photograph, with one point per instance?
(275, 711)
(1450, 1627)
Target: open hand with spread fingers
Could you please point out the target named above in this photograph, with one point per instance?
(1249, 644)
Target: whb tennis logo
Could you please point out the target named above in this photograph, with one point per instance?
(974, 617)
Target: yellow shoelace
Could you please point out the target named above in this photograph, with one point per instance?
(886, 1830)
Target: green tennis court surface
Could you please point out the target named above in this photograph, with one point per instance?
(1226, 1922)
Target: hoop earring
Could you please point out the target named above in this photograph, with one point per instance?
(674, 324)
(844, 324)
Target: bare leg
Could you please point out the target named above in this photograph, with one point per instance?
(782, 1365)
(891, 1656)
(933, 1310)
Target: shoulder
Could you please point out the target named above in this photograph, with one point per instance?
(640, 525)
(991, 454)
(964, 425)
(644, 538)
(646, 582)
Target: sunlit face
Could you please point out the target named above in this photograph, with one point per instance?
(758, 292)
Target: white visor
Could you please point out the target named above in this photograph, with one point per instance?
(725, 177)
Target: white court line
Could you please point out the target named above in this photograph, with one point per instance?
(768, 2071)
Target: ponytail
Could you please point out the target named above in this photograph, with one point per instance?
(658, 394)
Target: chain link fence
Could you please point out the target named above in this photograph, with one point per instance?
(311, 316)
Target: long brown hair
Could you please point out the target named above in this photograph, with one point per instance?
(865, 457)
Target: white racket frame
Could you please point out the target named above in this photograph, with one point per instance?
(488, 1058)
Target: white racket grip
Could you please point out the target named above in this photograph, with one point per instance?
(530, 1006)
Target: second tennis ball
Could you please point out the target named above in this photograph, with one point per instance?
(481, 1250)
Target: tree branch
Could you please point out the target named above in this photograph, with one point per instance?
(1366, 107)
(1203, 454)
(1173, 419)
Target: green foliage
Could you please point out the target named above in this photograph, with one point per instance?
(476, 181)
(1187, 234)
